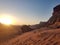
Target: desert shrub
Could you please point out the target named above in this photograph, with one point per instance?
(25, 28)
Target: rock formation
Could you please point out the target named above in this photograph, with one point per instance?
(54, 21)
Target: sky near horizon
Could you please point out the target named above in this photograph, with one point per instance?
(28, 11)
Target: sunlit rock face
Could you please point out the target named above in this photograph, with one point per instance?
(55, 18)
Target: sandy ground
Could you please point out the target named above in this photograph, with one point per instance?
(36, 37)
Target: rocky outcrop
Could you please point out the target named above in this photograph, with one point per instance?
(26, 28)
(54, 21)
(37, 26)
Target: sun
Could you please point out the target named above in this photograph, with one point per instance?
(6, 20)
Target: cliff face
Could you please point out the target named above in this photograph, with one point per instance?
(55, 18)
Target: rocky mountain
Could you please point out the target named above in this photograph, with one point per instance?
(54, 21)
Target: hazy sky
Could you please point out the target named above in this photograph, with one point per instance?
(28, 11)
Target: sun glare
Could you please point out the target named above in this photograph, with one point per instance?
(6, 20)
